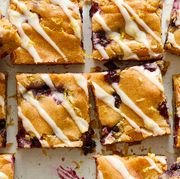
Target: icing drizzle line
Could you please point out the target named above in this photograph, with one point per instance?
(80, 122)
(149, 123)
(65, 5)
(119, 166)
(109, 100)
(59, 133)
(30, 128)
(128, 54)
(151, 76)
(131, 29)
(33, 20)
(17, 19)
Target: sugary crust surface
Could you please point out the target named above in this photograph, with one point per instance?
(2, 110)
(176, 82)
(148, 11)
(74, 95)
(7, 165)
(174, 31)
(136, 166)
(58, 27)
(9, 39)
(145, 95)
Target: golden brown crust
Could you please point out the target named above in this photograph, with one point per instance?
(148, 11)
(8, 37)
(174, 32)
(58, 27)
(7, 165)
(176, 85)
(142, 92)
(136, 166)
(73, 94)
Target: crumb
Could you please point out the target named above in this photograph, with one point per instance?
(10, 122)
(8, 145)
(44, 152)
(63, 159)
(77, 165)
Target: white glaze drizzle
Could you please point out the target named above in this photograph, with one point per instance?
(17, 20)
(151, 76)
(161, 160)
(128, 54)
(102, 51)
(132, 29)
(80, 122)
(65, 5)
(100, 175)
(98, 18)
(33, 20)
(30, 128)
(172, 40)
(141, 22)
(110, 101)
(8, 158)
(148, 122)
(3, 176)
(2, 103)
(82, 82)
(59, 133)
(153, 164)
(119, 166)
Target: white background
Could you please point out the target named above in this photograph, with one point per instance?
(42, 163)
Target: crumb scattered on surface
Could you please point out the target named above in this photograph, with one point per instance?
(77, 164)
(44, 152)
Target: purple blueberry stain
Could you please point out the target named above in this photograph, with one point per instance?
(110, 65)
(94, 9)
(88, 143)
(117, 100)
(105, 131)
(35, 143)
(176, 128)
(42, 90)
(100, 38)
(115, 129)
(67, 173)
(21, 139)
(3, 132)
(150, 66)
(108, 131)
(23, 142)
(112, 77)
(163, 110)
(174, 170)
